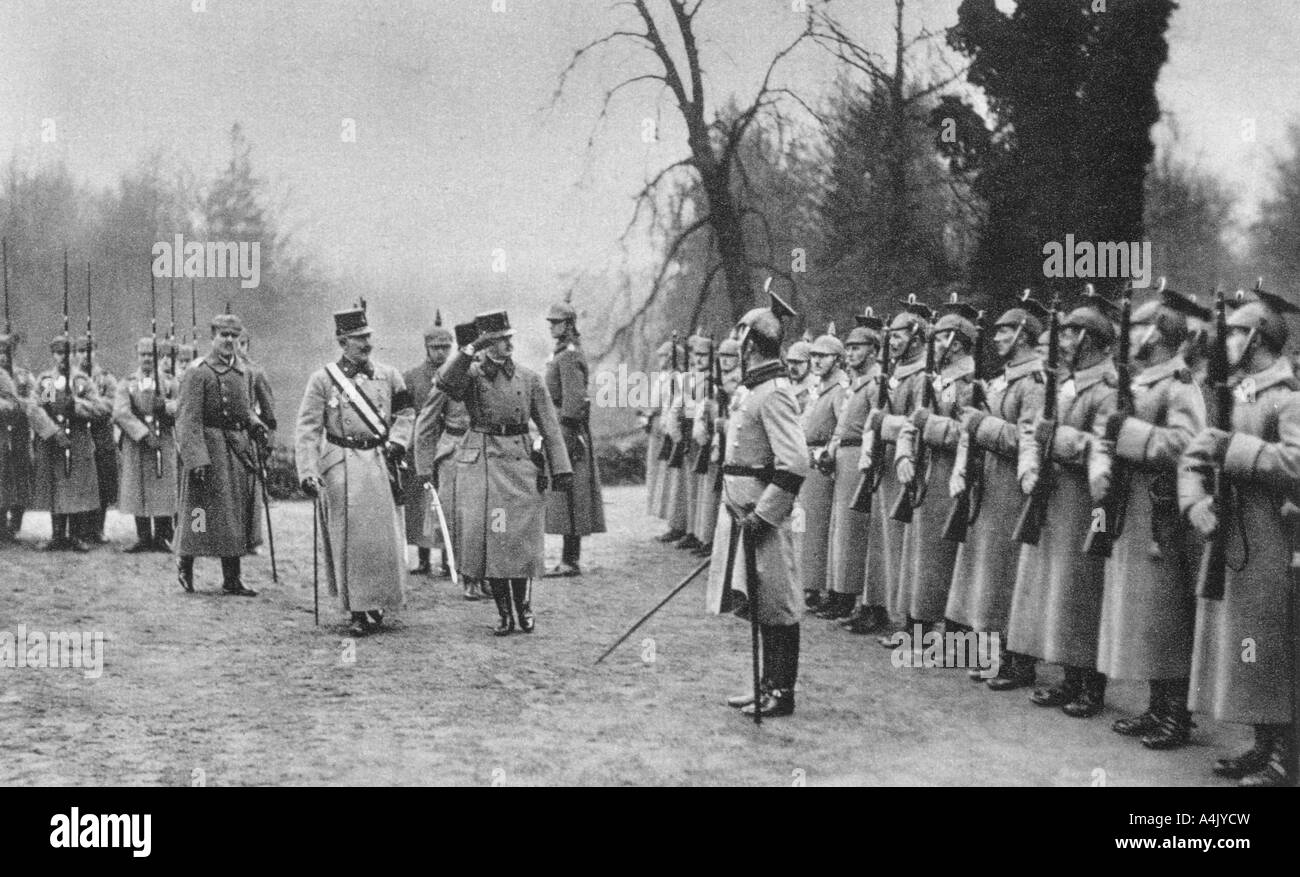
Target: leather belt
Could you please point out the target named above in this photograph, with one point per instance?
(356, 444)
(762, 473)
(817, 444)
(225, 425)
(456, 431)
(851, 443)
(501, 429)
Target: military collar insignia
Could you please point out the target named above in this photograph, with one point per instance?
(962, 367)
(1019, 370)
(1094, 374)
(220, 366)
(491, 368)
(1280, 372)
(907, 369)
(352, 369)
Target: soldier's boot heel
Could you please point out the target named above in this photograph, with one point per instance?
(505, 618)
(1091, 698)
(523, 605)
(1148, 723)
(1252, 760)
(185, 573)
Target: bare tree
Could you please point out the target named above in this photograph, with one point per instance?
(714, 149)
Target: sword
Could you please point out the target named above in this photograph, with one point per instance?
(690, 577)
(436, 502)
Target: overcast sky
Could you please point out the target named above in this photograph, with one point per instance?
(456, 152)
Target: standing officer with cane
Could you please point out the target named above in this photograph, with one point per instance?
(766, 463)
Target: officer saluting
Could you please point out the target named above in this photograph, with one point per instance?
(499, 483)
(581, 511)
(766, 463)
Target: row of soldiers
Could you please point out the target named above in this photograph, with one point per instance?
(902, 516)
(77, 440)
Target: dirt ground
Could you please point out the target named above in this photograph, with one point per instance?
(229, 691)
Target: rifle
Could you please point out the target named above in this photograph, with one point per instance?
(1213, 568)
(151, 418)
(260, 456)
(678, 456)
(4, 254)
(1030, 523)
(701, 466)
(194, 326)
(912, 495)
(64, 420)
(666, 449)
(870, 480)
(724, 404)
(1108, 515)
(965, 508)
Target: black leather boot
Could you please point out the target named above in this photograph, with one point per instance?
(837, 606)
(185, 573)
(1091, 697)
(162, 535)
(1173, 722)
(1015, 671)
(501, 595)
(1252, 760)
(781, 658)
(231, 583)
(143, 537)
(868, 619)
(1279, 770)
(1060, 695)
(422, 566)
(523, 604)
(1147, 722)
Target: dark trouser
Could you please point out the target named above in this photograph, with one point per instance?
(422, 554)
(153, 529)
(780, 655)
(12, 520)
(230, 568)
(572, 549)
(59, 527)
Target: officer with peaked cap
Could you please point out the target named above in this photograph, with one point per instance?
(215, 432)
(354, 421)
(1260, 457)
(907, 345)
(927, 558)
(984, 571)
(101, 430)
(580, 511)
(16, 466)
(818, 489)
(766, 462)
(67, 479)
(500, 476)
(850, 539)
(145, 410)
(1149, 609)
(419, 383)
(1056, 608)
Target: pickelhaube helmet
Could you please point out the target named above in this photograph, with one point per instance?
(798, 351)
(438, 333)
(700, 343)
(562, 310)
(1263, 313)
(827, 344)
(230, 322)
(763, 325)
(959, 317)
(728, 347)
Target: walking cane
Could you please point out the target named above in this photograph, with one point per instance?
(315, 560)
(266, 506)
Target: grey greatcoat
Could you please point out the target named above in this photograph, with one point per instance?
(1149, 608)
(906, 386)
(850, 536)
(927, 558)
(984, 572)
(1056, 609)
(1241, 660)
(440, 427)
(142, 491)
(365, 549)
(818, 490)
(15, 439)
(579, 512)
(419, 383)
(766, 461)
(212, 429)
(499, 512)
(78, 490)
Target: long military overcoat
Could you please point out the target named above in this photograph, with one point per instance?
(440, 427)
(15, 439)
(419, 383)
(579, 512)
(818, 490)
(70, 488)
(850, 531)
(147, 487)
(499, 511)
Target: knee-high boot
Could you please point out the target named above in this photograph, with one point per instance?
(523, 604)
(501, 595)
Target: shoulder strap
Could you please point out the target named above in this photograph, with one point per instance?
(364, 407)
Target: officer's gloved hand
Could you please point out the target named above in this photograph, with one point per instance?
(564, 482)
(905, 470)
(394, 451)
(199, 474)
(311, 486)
